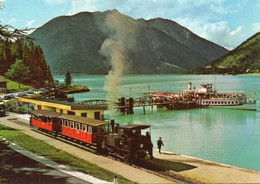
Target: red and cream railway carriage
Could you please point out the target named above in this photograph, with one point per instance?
(83, 129)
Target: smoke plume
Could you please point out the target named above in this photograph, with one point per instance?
(115, 49)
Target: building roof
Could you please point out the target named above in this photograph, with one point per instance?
(88, 121)
(62, 104)
(46, 113)
(51, 114)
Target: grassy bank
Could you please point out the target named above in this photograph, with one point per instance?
(57, 155)
(14, 86)
(74, 89)
(251, 74)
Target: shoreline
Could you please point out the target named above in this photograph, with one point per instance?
(180, 166)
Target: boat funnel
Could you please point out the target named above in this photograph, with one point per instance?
(189, 86)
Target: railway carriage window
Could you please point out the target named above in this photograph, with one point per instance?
(77, 126)
(83, 128)
(72, 124)
(90, 129)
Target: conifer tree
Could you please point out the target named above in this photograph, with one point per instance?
(67, 79)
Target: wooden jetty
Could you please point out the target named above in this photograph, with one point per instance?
(127, 105)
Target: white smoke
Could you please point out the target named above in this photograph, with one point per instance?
(114, 48)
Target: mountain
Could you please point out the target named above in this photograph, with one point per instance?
(73, 43)
(243, 59)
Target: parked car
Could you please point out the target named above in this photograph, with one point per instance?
(11, 95)
(24, 93)
(30, 91)
(20, 94)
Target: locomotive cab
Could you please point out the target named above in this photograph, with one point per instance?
(129, 142)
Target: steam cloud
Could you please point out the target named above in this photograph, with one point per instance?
(115, 48)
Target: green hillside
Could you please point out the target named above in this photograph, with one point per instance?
(72, 43)
(243, 59)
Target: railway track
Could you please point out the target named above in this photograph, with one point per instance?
(144, 166)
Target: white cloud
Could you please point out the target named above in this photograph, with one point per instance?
(217, 32)
(152, 8)
(13, 20)
(203, 17)
(29, 24)
(256, 26)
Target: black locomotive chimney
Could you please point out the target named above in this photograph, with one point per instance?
(112, 125)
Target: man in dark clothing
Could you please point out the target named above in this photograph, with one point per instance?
(159, 144)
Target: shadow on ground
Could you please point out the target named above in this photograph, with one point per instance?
(165, 165)
(19, 169)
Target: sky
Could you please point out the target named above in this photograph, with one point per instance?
(224, 22)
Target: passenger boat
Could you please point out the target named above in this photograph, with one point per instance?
(206, 96)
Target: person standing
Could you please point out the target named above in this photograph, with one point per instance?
(159, 144)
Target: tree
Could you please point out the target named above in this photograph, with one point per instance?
(67, 79)
(8, 32)
(18, 71)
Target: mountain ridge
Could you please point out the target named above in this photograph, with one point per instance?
(72, 43)
(245, 58)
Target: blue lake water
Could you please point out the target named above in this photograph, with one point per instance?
(227, 136)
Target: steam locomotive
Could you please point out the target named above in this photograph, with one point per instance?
(124, 141)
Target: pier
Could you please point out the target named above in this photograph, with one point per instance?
(127, 105)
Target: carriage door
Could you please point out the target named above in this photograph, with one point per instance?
(97, 115)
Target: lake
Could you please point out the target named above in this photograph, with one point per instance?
(228, 136)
